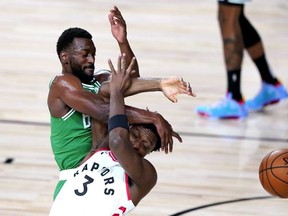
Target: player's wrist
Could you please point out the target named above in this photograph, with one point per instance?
(119, 120)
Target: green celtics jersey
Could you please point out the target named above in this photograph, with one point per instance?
(70, 136)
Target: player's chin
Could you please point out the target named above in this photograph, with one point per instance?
(89, 72)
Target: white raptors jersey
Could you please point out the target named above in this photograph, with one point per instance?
(98, 187)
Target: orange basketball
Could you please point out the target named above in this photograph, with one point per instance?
(273, 173)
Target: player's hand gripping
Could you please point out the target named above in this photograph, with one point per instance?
(118, 25)
(166, 133)
(173, 86)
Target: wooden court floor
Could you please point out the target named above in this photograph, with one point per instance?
(214, 171)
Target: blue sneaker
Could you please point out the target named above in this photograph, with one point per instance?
(228, 108)
(268, 94)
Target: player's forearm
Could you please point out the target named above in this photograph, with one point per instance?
(117, 106)
(139, 85)
(100, 111)
(140, 116)
(125, 48)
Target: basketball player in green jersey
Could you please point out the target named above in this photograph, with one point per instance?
(115, 177)
(77, 94)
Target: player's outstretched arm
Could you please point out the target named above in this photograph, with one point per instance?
(171, 87)
(119, 32)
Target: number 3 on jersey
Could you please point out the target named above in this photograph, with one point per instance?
(85, 186)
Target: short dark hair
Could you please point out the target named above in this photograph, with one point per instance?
(67, 37)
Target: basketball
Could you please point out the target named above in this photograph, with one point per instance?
(273, 173)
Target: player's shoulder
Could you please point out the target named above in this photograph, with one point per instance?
(64, 80)
(102, 75)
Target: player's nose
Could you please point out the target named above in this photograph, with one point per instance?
(136, 145)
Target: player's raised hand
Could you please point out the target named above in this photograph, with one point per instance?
(118, 25)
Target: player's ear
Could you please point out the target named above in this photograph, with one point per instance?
(64, 57)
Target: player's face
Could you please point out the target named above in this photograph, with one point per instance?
(143, 140)
(82, 59)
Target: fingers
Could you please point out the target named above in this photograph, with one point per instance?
(173, 98)
(123, 63)
(170, 144)
(190, 90)
(131, 65)
(171, 147)
(186, 87)
(177, 136)
(116, 12)
(165, 142)
(119, 62)
(166, 134)
(111, 66)
(115, 16)
(114, 9)
(167, 146)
